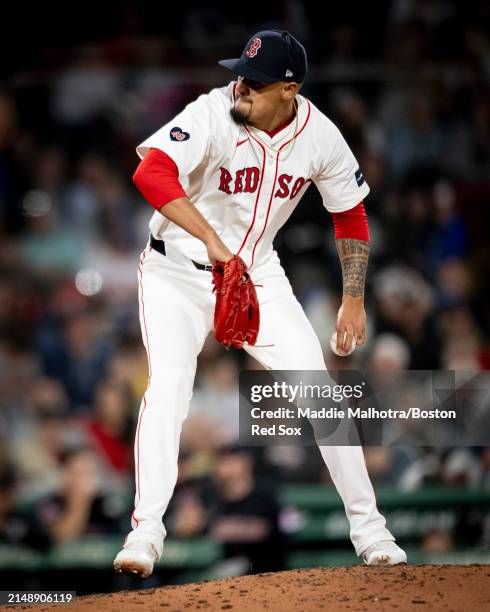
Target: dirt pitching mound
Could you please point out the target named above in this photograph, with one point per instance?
(416, 587)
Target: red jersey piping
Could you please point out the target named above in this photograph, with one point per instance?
(275, 177)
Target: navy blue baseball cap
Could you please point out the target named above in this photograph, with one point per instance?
(270, 56)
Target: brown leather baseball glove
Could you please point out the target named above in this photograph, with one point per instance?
(236, 314)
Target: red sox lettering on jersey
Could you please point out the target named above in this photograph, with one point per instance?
(247, 183)
(247, 179)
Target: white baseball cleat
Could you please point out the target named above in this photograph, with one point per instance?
(384, 552)
(136, 558)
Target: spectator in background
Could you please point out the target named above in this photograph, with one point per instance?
(389, 356)
(449, 236)
(463, 347)
(389, 353)
(201, 436)
(84, 94)
(47, 245)
(81, 206)
(155, 91)
(75, 349)
(129, 364)
(18, 368)
(80, 507)
(36, 449)
(404, 306)
(454, 282)
(245, 517)
(16, 527)
(109, 427)
(216, 395)
(240, 514)
(438, 541)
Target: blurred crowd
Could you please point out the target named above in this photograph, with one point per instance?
(413, 104)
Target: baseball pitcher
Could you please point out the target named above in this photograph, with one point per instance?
(224, 176)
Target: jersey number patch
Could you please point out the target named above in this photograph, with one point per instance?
(177, 134)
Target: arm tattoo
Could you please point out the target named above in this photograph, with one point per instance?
(353, 256)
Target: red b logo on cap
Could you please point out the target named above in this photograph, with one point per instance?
(254, 47)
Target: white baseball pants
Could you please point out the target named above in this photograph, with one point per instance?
(176, 314)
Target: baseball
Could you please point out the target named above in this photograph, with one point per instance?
(333, 345)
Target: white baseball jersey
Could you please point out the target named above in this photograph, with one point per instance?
(246, 183)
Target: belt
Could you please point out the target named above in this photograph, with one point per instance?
(159, 245)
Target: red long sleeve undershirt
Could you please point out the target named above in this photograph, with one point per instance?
(157, 178)
(351, 223)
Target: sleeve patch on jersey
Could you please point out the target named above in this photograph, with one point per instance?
(177, 134)
(359, 177)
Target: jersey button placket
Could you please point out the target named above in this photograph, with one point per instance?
(266, 199)
(263, 201)
(268, 168)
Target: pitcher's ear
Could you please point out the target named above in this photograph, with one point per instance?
(290, 89)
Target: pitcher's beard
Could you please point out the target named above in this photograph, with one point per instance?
(238, 117)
